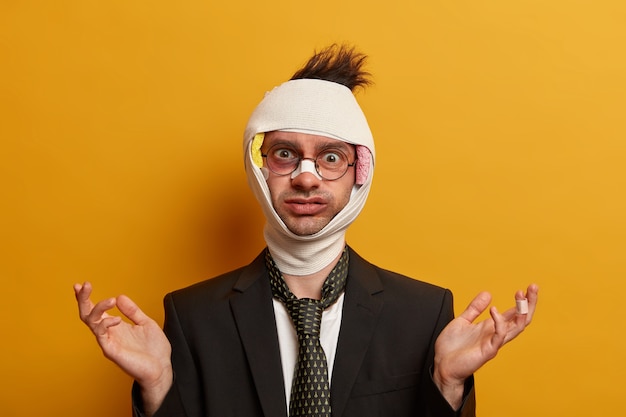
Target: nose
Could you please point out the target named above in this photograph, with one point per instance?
(306, 165)
(305, 177)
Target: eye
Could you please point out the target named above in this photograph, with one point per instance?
(284, 154)
(331, 158)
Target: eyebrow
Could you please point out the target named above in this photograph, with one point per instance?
(330, 144)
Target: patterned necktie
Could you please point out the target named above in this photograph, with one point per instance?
(310, 391)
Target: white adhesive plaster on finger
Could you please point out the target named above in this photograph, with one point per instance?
(521, 306)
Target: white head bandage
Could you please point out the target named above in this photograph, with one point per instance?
(315, 107)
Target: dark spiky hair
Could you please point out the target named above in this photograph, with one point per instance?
(341, 64)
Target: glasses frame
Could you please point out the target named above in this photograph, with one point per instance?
(301, 158)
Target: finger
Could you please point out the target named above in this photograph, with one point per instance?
(521, 304)
(82, 294)
(516, 320)
(515, 312)
(98, 312)
(499, 336)
(77, 288)
(532, 294)
(103, 326)
(131, 310)
(531, 298)
(82, 291)
(477, 306)
(516, 317)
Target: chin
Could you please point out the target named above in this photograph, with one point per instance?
(305, 229)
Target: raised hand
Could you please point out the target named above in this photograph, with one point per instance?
(139, 348)
(464, 346)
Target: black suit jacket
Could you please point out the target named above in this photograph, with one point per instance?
(226, 359)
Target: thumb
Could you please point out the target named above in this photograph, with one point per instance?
(128, 307)
(477, 306)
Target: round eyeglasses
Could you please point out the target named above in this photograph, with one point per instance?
(331, 164)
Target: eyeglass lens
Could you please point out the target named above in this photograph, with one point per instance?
(330, 164)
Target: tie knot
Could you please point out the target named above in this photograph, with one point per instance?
(306, 315)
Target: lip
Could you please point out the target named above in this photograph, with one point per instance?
(306, 206)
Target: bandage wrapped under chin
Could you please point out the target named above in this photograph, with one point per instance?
(315, 107)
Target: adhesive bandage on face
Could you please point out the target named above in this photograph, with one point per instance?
(521, 306)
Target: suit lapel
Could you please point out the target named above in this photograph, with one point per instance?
(254, 314)
(361, 309)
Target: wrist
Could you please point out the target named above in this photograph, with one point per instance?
(153, 393)
(452, 389)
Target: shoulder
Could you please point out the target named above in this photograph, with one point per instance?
(398, 287)
(222, 286)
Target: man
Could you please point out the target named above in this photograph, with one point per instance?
(309, 328)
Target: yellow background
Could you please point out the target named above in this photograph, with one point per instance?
(500, 137)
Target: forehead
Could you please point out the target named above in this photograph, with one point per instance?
(302, 140)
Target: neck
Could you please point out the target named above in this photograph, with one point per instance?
(304, 255)
(310, 286)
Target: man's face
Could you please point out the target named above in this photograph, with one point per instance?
(306, 203)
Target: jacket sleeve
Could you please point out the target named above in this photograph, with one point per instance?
(171, 407)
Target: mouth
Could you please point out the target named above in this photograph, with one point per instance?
(306, 206)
